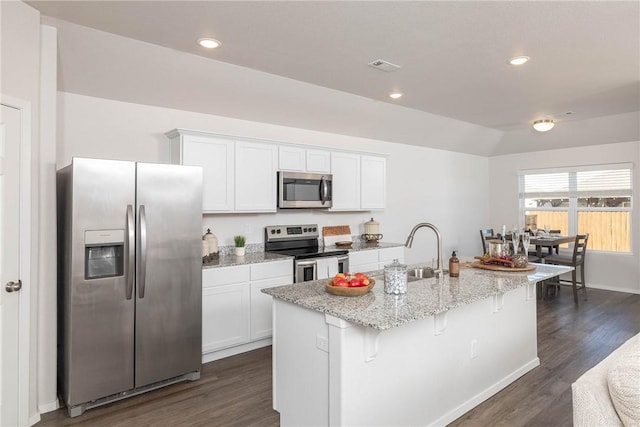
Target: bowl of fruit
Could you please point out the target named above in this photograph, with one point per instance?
(349, 285)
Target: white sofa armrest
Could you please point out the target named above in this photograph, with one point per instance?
(592, 405)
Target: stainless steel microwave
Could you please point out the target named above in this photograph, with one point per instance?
(298, 190)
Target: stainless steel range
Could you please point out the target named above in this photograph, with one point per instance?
(301, 242)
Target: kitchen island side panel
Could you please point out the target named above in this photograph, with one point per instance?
(300, 367)
(427, 372)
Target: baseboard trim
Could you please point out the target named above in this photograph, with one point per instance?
(49, 406)
(612, 288)
(232, 351)
(33, 419)
(485, 394)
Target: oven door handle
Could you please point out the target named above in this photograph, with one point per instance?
(305, 263)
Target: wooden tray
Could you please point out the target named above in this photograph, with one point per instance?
(349, 292)
(493, 267)
(344, 244)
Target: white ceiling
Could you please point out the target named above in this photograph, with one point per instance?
(585, 56)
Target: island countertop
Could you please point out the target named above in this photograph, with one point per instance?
(425, 297)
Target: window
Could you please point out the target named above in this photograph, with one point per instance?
(588, 199)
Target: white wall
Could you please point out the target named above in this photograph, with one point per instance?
(20, 37)
(604, 270)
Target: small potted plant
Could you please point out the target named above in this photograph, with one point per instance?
(239, 242)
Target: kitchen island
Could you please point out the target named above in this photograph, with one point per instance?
(422, 358)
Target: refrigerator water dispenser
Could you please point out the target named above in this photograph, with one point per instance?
(103, 253)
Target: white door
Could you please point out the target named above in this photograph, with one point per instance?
(14, 327)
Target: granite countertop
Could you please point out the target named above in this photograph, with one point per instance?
(360, 245)
(424, 297)
(228, 259)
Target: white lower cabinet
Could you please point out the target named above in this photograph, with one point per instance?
(266, 275)
(236, 316)
(387, 255)
(225, 307)
(374, 259)
(363, 261)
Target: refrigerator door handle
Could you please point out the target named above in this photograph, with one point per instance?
(142, 234)
(131, 255)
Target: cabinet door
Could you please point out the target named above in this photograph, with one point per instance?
(345, 168)
(373, 179)
(261, 306)
(318, 161)
(387, 255)
(291, 158)
(225, 316)
(256, 166)
(215, 155)
(266, 275)
(267, 270)
(363, 261)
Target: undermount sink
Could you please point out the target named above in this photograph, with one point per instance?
(420, 273)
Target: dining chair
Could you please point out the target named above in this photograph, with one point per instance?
(556, 247)
(575, 260)
(484, 233)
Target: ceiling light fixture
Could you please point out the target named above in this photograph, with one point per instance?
(543, 125)
(209, 43)
(519, 60)
(395, 95)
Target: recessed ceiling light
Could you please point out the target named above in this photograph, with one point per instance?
(543, 125)
(519, 60)
(395, 95)
(209, 43)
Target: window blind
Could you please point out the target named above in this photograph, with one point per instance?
(586, 181)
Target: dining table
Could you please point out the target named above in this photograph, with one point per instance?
(551, 241)
(543, 241)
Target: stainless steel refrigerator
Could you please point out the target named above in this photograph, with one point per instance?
(129, 279)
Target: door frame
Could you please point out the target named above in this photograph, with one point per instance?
(24, 359)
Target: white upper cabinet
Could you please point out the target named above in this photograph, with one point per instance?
(256, 167)
(359, 181)
(318, 161)
(299, 159)
(291, 158)
(345, 168)
(373, 180)
(240, 174)
(216, 156)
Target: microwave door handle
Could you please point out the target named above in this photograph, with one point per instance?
(324, 189)
(142, 265)
(131, 258)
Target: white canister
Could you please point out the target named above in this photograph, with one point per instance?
(371, 227)
(205, 247)
(211, 242)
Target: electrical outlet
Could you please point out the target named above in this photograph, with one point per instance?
(474, 348)
(322, 343)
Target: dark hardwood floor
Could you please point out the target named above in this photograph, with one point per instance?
(236, 391)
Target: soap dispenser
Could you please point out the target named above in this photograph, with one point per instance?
(454, 265)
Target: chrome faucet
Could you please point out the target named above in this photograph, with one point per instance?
(440, 265)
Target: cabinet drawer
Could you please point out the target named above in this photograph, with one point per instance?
(266, 270)
(225, 275)
(363, 257)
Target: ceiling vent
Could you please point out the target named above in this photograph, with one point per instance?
(382, 65)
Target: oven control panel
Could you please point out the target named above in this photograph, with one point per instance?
(291, 232)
